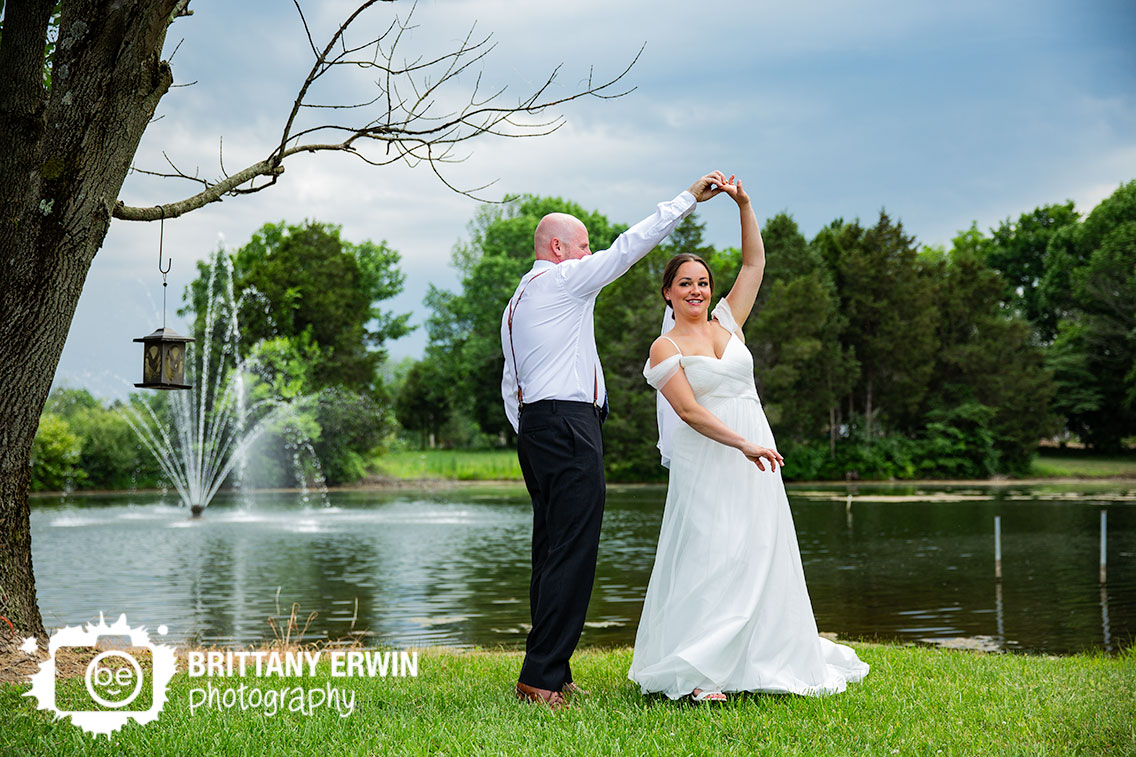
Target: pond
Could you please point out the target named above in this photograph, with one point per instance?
(451, 567)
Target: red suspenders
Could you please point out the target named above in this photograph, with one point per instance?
(513, 309)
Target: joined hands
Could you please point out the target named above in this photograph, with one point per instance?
(715, 183)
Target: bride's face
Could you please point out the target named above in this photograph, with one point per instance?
(689, 293)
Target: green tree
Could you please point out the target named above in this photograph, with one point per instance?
(1020, 252)
(111, 457)
(803, 370)
(55, 455)
(886, 293)
(423, 402)
(987, 361)
(110, 454)
(299, 279)
(1094, 356)
(310, 324)
(352, 426)
(789, 255)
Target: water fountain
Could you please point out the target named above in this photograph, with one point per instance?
(203, 435)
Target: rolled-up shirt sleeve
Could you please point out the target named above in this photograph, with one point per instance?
(586, 276)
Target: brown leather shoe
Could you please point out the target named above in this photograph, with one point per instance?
(554, 699)
(571, 690)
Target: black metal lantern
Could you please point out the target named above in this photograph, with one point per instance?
(163, 352)
(163, 360)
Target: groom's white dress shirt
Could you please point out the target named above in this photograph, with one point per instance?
(553, 336)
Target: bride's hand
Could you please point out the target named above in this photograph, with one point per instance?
(710, 185)
(755, 452)
(735, 190)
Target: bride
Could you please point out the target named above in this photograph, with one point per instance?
(726, 607)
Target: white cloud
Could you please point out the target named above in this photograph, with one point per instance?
(942, 113)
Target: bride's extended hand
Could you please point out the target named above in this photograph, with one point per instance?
(735, 190)
(755, 452)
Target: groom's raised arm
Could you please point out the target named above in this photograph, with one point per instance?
(586, 276)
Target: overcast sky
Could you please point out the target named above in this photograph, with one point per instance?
(944, 113)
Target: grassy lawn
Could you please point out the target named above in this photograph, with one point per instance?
(915, 701)
(1059, 465)
(460, 465)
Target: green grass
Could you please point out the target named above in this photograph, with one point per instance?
(460, 465)
(914, 701)
(1058, 465)
(502, 465)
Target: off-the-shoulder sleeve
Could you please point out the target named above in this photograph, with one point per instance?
(660, 374)
(725, 316)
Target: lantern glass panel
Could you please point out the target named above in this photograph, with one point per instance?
(175, 363)
(152, 364)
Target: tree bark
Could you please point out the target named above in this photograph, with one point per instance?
(66, 154)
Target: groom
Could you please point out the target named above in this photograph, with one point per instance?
(555, 397)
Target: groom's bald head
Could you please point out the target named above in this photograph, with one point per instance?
(560, 237)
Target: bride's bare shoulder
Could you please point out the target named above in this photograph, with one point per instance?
(661, 349)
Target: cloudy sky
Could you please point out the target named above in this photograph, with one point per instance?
(944, 113)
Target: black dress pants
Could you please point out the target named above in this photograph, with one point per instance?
(560, 447)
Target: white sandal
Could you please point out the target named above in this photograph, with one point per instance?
(698, 695)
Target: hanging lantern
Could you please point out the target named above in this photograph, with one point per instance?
(163, 360)
(163, 352)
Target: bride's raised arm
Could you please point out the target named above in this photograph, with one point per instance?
(744, 291)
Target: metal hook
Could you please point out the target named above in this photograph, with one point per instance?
(161, 238)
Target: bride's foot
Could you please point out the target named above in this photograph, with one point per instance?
(698, 695)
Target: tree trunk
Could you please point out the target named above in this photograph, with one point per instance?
(868, 411)
(67, 153)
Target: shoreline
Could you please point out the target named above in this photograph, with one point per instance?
(395, 484)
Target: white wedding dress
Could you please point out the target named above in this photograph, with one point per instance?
(726, 607)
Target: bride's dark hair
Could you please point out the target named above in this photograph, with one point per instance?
(671, 271)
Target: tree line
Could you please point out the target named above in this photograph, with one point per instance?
(875, 356)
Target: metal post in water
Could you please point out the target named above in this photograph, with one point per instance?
(998, 547)
(1000, 613)
(1104, 546)
(1104, 617)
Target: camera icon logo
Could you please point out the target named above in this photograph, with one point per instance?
(118, 685)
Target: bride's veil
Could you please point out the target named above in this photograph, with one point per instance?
(667, 418)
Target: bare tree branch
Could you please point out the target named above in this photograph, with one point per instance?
(307, 31)
(412, 129)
